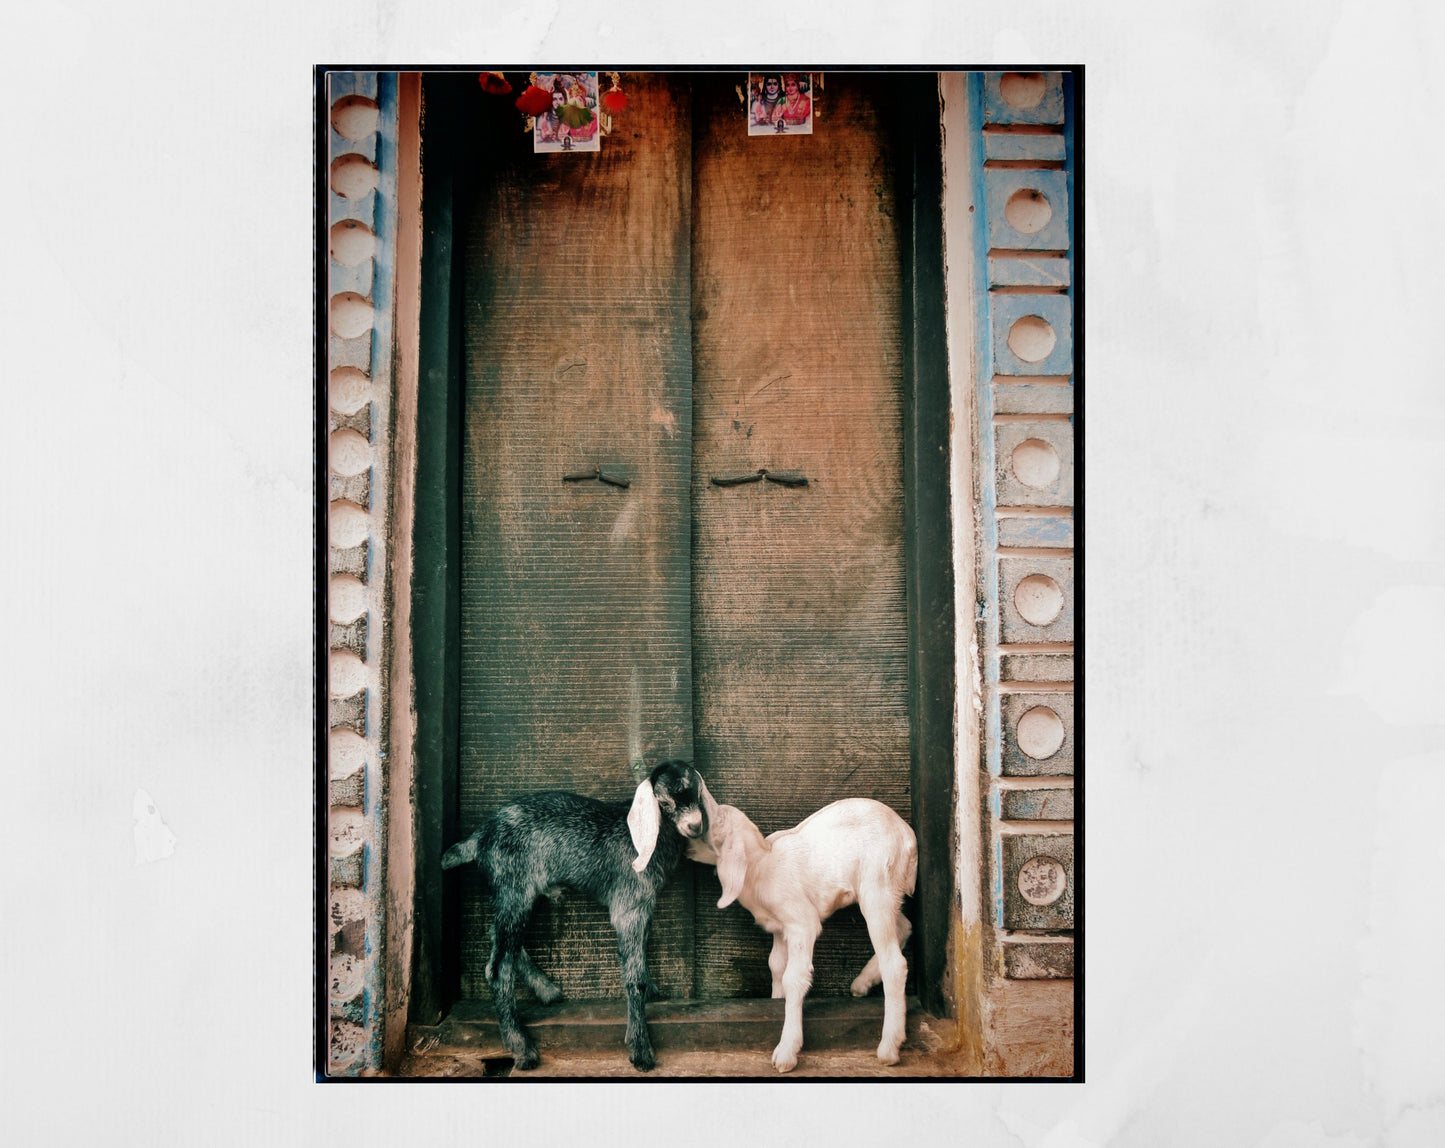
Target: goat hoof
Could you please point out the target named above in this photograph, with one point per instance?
(784, 1061)
(527, 1058)
(643, 1061)
(549, 994)
(859, 989)
(888, 1054)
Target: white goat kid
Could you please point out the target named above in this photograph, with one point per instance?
(852, 851)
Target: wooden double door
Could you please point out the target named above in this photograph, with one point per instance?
(641, 327)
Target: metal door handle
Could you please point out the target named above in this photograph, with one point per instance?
(598, 473)
(781, 477)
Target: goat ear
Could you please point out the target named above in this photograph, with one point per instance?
(732, 868)
(709, 806)
(644, 819)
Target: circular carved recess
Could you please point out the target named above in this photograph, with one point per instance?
(352, 243)
(347, 674)
(353, 176)
(1028, 211)
(1038, 599)
(346, 599)
(346, 750)
(355, 117)
(347, 975)
(348, 391)
(1042, 880)
(1030, 338)
(1040, 732)
(349, 454)
(351, 315)
(1023, 90)
(1035, 463)
(347, 525)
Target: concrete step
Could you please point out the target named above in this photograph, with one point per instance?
(730, 1039)
(730, 1025)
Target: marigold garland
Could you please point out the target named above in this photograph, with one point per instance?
(534, 101)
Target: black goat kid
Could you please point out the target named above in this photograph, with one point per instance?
(618, 854)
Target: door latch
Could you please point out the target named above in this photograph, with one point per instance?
(598, 473)
(781, 477)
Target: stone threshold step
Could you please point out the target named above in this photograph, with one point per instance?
(685, 1025)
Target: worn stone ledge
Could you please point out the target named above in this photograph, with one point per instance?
(1033, 960)
(358, 420)
(352, 488)
(348, 1040)
(350, 713)
(1055, 804)
(353, 560)
(351, 352)
(350, 636)
(349, 791)
(349, 871)
(353, 1010)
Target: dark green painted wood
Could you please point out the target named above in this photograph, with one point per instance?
(576, 652)
(436, 573)
(929, 534)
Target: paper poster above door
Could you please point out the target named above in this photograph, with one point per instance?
(780, 103)
(572, 122)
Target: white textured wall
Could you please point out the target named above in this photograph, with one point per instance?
(1265, 580)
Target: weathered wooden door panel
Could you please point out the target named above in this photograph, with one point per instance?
(575, 595)
(588, 638)
(800, 633)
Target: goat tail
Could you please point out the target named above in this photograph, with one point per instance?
(462, 852)
(909, 872)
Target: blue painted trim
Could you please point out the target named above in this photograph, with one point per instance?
(384, 225)
(1069, 172)
(384, 89)
(1049, 110)
(1055, 310)
(1055, 530)
(996, 880)
(1003, 184)
(984, 387)
(1038, 148)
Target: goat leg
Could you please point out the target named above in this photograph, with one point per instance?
(797, 979)
(631, 925)
(545, 989)
(543, 986)
(504, 995)
(883, 920)
(777, 963)
(870, 975)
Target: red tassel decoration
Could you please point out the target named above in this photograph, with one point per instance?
(534, 101)
(494, 83)
(614, 101)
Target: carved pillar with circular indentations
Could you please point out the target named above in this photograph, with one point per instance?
(361, 226)
(1026, 408)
